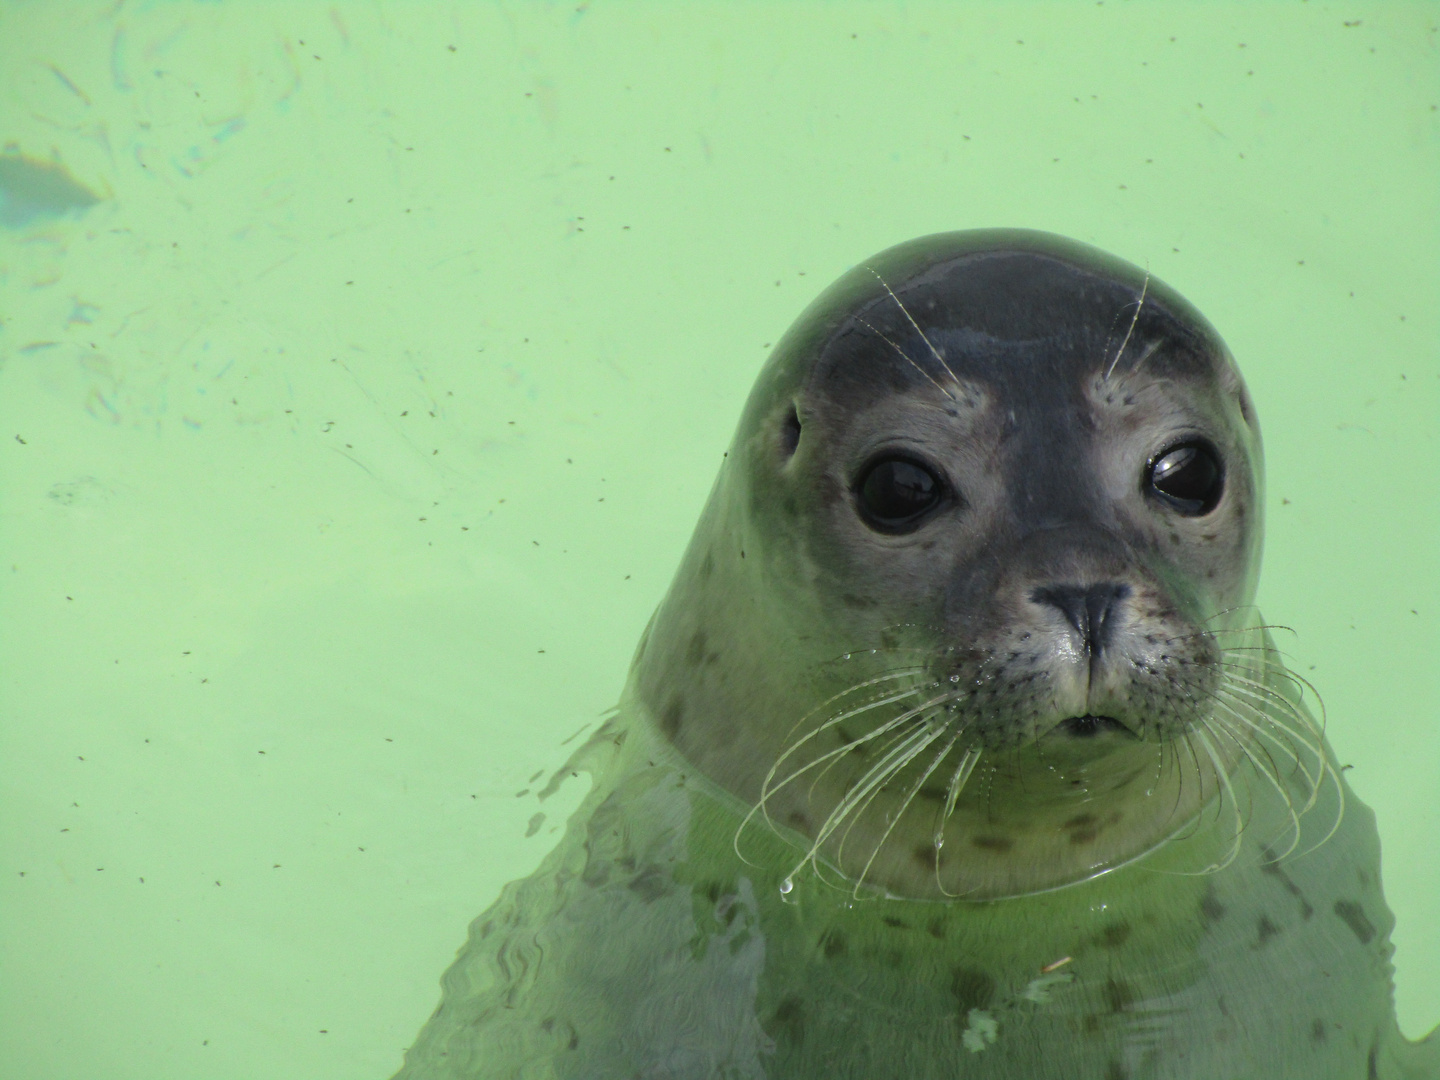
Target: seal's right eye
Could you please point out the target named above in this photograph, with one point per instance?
(894, 494)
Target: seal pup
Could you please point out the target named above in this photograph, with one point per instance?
(956, 747)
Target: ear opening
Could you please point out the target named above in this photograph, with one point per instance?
(789, 433)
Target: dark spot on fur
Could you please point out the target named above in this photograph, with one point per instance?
(1317, 1031)
(1266, 930)
(1119, 994)
(898, 924)
(1372, 1062)
(1355, 918)
(834, 943)
(1211, 910)
(936, 929)
(788, 1020)
(1272, 866)
(649, 884)
(1114, 935)
(1116, 1070)
(695, 652)
(707, 566)
(925, 855)
(972, 989)
(672, 715)
(799, 821)
(1086, 835)
(998, 844)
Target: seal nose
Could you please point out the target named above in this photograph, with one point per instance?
(1090, 609)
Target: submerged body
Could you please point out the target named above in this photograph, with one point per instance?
(956, 748)
(643, 947)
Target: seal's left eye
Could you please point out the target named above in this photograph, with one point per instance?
(1188, 477)
(895, 493)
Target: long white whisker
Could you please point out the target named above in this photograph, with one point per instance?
(958, 780)
(913, 744)
(1311, 779)
(1140, 306)
(767, 788)
(1224, 780)
(880, 749)
(933, 351)
(905, 804)
(906, 355)
(889, 676)
(1273, 781)
(849, 714)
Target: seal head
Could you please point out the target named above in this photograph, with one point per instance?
(967, 613)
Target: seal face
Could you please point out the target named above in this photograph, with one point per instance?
(967, 610)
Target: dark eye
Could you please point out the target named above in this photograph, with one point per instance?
(895, 493)
(1188, 477)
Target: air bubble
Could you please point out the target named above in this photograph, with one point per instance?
(786, 886)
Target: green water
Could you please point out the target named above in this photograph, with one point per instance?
(363, 369)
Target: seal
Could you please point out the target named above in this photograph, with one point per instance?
(957, 747)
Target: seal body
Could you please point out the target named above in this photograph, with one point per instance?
(956, 747)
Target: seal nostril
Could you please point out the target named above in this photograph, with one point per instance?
(1090, 609)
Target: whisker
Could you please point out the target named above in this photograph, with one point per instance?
(905, 804)
(1139, 306)
(890, 676)
(881, 748)
(1283, 732)
(1273, 781)
(903, 353)
(1225, 698)
(1232, 705)
(933, 351)
(958, 780)
(839, 718)
(1226, 789)
(1264, 691)
(767, 788)
(1327, 771)
(905, 752)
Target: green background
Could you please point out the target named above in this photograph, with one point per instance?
(365, 367)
